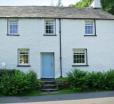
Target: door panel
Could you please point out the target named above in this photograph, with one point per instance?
(47, 65)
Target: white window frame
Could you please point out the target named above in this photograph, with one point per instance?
(89, 23)
(50, 22)
(27, 52)
(12, 22)
(81, 51)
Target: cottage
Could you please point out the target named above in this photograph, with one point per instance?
(54, 40)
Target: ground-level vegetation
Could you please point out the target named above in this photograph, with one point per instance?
(15, 82)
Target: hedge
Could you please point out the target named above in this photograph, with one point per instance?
(15, 82)
(84, 80)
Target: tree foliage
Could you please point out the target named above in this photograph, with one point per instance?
(107, 5)
(82, 4)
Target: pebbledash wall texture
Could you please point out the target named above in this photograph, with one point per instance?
(54, 40)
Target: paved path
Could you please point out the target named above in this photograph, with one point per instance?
(83, 101)
(80, 98)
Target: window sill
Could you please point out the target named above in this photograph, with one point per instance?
(49, 35)
(23, 66)
(86, 65)
(90, 35)
(13, 35)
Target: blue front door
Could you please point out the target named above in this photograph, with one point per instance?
(47, 60)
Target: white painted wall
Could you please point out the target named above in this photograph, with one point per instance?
(100, 48)
(31, 36)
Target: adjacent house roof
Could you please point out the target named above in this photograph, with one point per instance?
(53, 12)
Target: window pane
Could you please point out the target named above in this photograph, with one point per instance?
(13, 26)
(79, 56)
(89, 27)
(23, 56)
(49, 26)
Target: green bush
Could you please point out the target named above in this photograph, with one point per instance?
(109, 80)
(77, 79)
(15, 82)
(62, 83)
(84, 81)
(95, 81)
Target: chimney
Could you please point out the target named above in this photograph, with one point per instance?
(96, 4)
(59, 3)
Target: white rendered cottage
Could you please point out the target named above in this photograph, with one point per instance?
(54, 40)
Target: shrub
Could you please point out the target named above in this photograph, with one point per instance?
(15, 82)
(62, 83)
(91, 80)
(109, 80)
(77, 79)
(95, 80)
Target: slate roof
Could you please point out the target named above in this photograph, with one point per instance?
(53, 12)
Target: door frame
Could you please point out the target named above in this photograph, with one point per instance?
(41, 76)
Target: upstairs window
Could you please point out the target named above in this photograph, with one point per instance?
(23, 56)
(89, 27)
(50, 27)
(13, 27)
(80, 56)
